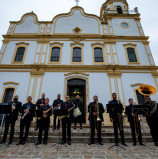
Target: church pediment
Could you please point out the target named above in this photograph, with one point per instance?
(76, 18)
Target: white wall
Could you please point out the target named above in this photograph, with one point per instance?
(22, 78)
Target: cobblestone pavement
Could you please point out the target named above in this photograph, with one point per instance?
(80, 151)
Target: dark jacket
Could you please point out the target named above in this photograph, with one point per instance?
(56, 102)
(79, 104)
(114, 115)
(31, 114)
(44, 108)
(69, 105)
(91, 110)
(14, 114)
(128, 112)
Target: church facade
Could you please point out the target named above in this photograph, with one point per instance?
(78, 53)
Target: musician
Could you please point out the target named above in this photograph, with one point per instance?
(28, 112)
(78, 104)
(11, 119)
(152, 119)
(117, 120)
(39, 103)
(56, 105)
(94, 112)
(44, 122)
(134, 123)
(66, 122)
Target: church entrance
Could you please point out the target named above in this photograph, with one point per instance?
(77, 87)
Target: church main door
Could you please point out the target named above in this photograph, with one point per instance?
(77, 87)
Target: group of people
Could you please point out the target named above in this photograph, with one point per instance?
(43, 111)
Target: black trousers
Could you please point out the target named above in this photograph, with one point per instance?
(54, 123)
(9, 121)
(116, 126)
(153, 125)
(79, 118)
(37, 123)
(135, 128)
(94, 124)
(43, 126)
(24, 123)
(66, 124)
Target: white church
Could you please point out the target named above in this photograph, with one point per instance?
(78, 53)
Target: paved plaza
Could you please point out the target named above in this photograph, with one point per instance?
(80, 151)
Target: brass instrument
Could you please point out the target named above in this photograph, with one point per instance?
(13, 105)
(148, 90)
(98, 118)
(64, 116)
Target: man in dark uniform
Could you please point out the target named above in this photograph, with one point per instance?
(56, 105)
(66, 122)
(11, 119)
(134, 123)
(152, 119)
(46, 112)
(39, 103)
(78, 104)
(95, 110)
(28, 112)
(117, 120)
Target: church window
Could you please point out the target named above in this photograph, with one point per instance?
(76, 54)
(98, 55)
(55, 54)
(8, 95)
(131, 55)
(119, 9)
(19, 54)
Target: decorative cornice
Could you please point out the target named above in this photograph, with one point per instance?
(94, 44)
(72, 73)
(57, 43)
(10, 82)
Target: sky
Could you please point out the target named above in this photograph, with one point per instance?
(12, 10)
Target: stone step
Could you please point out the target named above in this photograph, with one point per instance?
(82, 139)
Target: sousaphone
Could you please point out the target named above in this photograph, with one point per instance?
(147, 90)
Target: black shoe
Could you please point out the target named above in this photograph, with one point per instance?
(75, 128)
(23, 143)
(81, 128)
(38, 143)
(2, 142)
(116, 143)
(45, 142)
(141, 144)
(100, 143)
(134, 143)
(123, 143)
(156, 143)
(63, 142)
(90, 143)
(10, 142)
(69, 142)
(19, 143)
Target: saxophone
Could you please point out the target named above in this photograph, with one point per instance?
(64, 116)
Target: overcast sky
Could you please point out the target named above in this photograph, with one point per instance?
(12, 10)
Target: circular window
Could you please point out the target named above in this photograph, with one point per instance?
(124, 25)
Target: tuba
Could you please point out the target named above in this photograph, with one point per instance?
(148, 90)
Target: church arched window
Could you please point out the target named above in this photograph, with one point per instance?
(131, 53)
(119, 10)
(19, 54)
(8, 95)
(98, 54)
(76, 54)
(55, 54)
